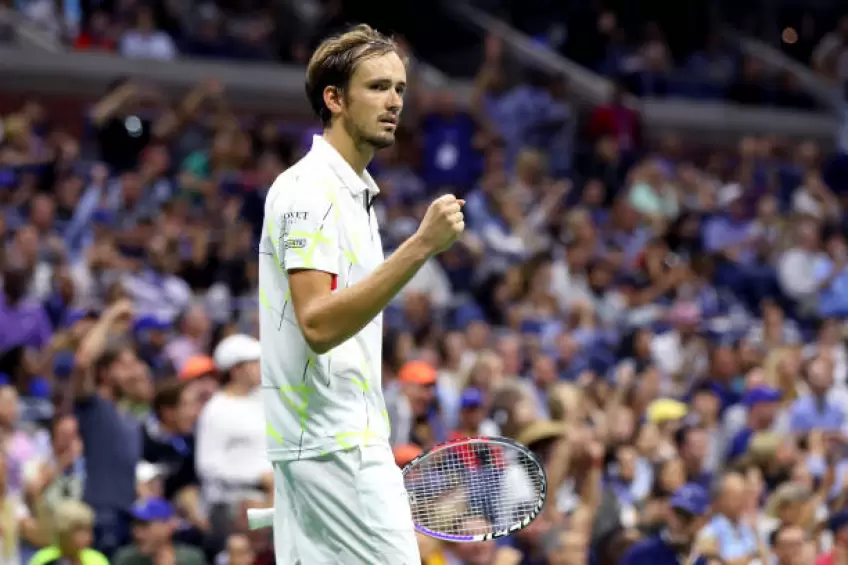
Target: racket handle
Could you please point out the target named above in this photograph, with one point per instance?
(258, 518)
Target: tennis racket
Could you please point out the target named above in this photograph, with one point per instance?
(469, 490)
(475, 489)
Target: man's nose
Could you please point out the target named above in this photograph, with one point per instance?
(395, 102)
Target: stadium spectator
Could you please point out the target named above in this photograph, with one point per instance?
(144, 41)
(687, 509)
(111, 437)
(231, 427)
(72, 524)
(154, 523)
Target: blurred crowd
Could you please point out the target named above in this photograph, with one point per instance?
(662, 51)
(163, 30)
(652, 49)
(664, 324)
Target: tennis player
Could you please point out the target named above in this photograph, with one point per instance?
(323, 282)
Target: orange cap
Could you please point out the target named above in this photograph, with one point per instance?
(405, 453)
(417, 372)
(197, 366)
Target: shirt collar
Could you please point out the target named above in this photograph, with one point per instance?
(353, 182)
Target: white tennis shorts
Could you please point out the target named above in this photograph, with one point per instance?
(345, 508)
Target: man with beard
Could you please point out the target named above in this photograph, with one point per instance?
(323, 283)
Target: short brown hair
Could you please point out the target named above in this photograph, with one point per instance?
(167, 395)
(336, 59)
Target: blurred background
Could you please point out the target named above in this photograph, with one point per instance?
(652, 292)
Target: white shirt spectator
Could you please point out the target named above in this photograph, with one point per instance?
(796, 273)
(805, 203)
(147, 45)
(231, 428)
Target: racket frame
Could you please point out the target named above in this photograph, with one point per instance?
(534, 513)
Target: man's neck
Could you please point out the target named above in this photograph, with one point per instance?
(693, 467)
(736, 521)
(106, 393)
(162, 550)
(357, 157)
(71, 554)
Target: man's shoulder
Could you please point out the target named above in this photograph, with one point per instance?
(646, 548)
(310, 168)
(52, 555)
(127, 555)
(90, 556)
(188, 555)
(93, 403)
(307, 183)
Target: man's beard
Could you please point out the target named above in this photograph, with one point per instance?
(380, 142)
(374, 141)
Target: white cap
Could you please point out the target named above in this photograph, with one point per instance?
(235, 349)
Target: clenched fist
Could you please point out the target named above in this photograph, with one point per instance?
(442, 224)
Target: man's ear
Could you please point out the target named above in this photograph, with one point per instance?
(334, 99)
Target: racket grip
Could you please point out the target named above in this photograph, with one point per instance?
(258, 518)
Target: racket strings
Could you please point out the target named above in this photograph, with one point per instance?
(473, 489)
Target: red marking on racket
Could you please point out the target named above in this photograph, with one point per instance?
(468, 455)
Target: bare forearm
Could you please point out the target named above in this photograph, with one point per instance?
(109, 105)
(93, 344)
(338, 317)
(590, 493)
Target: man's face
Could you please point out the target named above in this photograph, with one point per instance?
(697, 444)
(472, 416)
(373, 100)
(706, 405)
(150, 536)
(187, 410)
(239, 550)
(137, 384)
(789, 546)
(253, 372)
(65, 433)
(682, 525)
(420, 396)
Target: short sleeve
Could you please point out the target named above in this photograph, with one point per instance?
(306, 232)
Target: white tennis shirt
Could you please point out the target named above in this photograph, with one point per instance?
(317, 216)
